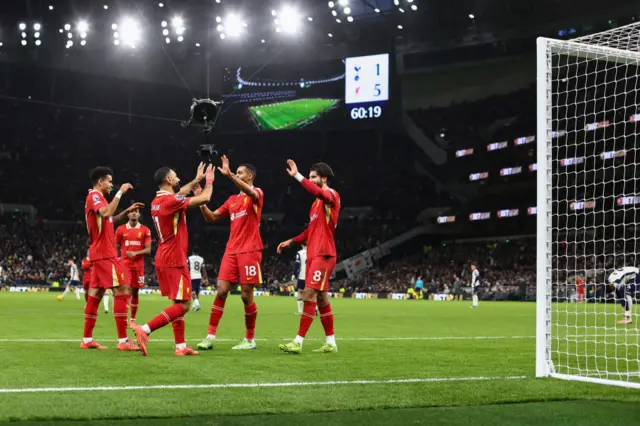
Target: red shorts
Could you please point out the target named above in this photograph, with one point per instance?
(580, 289)
(241, 267)
(175, 282)
(108, 273)
(86, 283)
(137, 278)
(319, 270)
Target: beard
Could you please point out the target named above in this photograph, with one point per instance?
(176, 187)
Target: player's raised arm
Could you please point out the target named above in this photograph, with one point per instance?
(110, 209)
(248, 171)
(321, 173)
(204, 195)
(186, 190)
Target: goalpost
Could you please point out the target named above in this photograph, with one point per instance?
(588, 123)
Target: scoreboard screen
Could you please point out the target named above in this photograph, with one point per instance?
(351, 93)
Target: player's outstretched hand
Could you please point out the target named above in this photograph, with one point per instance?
(293, 169)
(197, 189)
(283, 245)
(210, 174)
(200, 172)
(124, 188)
(225, 170)
(135, 206)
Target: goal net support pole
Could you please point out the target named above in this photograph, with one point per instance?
(586, 90)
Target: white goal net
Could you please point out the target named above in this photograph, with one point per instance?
(588, 206)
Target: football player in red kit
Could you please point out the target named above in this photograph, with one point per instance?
(106, 270)
(243, 254)
(321, 254)
(133, 242)
(169, 213)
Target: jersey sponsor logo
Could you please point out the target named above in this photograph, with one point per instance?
(132, 243)
(238, 215)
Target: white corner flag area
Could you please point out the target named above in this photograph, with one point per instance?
(588, 113)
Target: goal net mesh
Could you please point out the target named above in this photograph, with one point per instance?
(592, 120)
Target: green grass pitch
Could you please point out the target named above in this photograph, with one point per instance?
(399, 362)
(290, 115)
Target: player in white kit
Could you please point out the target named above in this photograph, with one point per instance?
(196, 267)
(625, 282)
(74, 281)
(475, 284)
(299, 274)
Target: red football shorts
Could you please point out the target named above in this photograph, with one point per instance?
(175, 282)
(86, 282)
(241, 267)
(580, 289)
(108, 273)
(137, 278)
(319, 270)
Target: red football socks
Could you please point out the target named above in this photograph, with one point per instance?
(216, 313)
(90, 315)
(178, 330)
(306, 318)
(120, 314)
(168, 315)
(326, 317)
(250, 315)
(134, 306)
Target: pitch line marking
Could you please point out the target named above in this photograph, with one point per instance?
(345, 339)
(262, 385)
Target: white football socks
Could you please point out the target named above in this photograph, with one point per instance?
(64, 293)
(300, 306)
(475, 300)
(331, 340)
(299, 340)
(105, 301)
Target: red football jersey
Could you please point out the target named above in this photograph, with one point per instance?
(323, 220)
(169, 213)
(102, 241)
(244, 214)
(86, 270)
(132, 239)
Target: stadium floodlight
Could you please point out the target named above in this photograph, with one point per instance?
(222, 36)
(24, 35)
(347, 10)
(114, 26)
(167, 40)
(37, 26)
(83, 42)
(330, 35)
(67, 27)
(36, 34)
(69, 35)
(60, 30)
(472, 16)
(160, 4)
(376, 10)
(69, 44)
(105, 7)
(197, 44)
(414, 7)
(288, 20)
(334, 13)
(310, 19)
(344, 2)
(116, 42)
(1, 44)
(82, 26)
(218, 19)
(163, 24)
(400, 27)
(22, 26)
(180, 39)
(595, 342)
(234, 25)
(350, 18)
(263, 41)
(38, 42)
(23, 42)
(177, 22)
(130, 32)
(338, 21)
(165, 32)
(51, 7)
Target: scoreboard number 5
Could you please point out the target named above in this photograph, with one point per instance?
(377, 90)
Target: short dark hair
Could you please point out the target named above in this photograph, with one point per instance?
(161, 174)
(323, 170)
(252, 169)
(98, 173)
